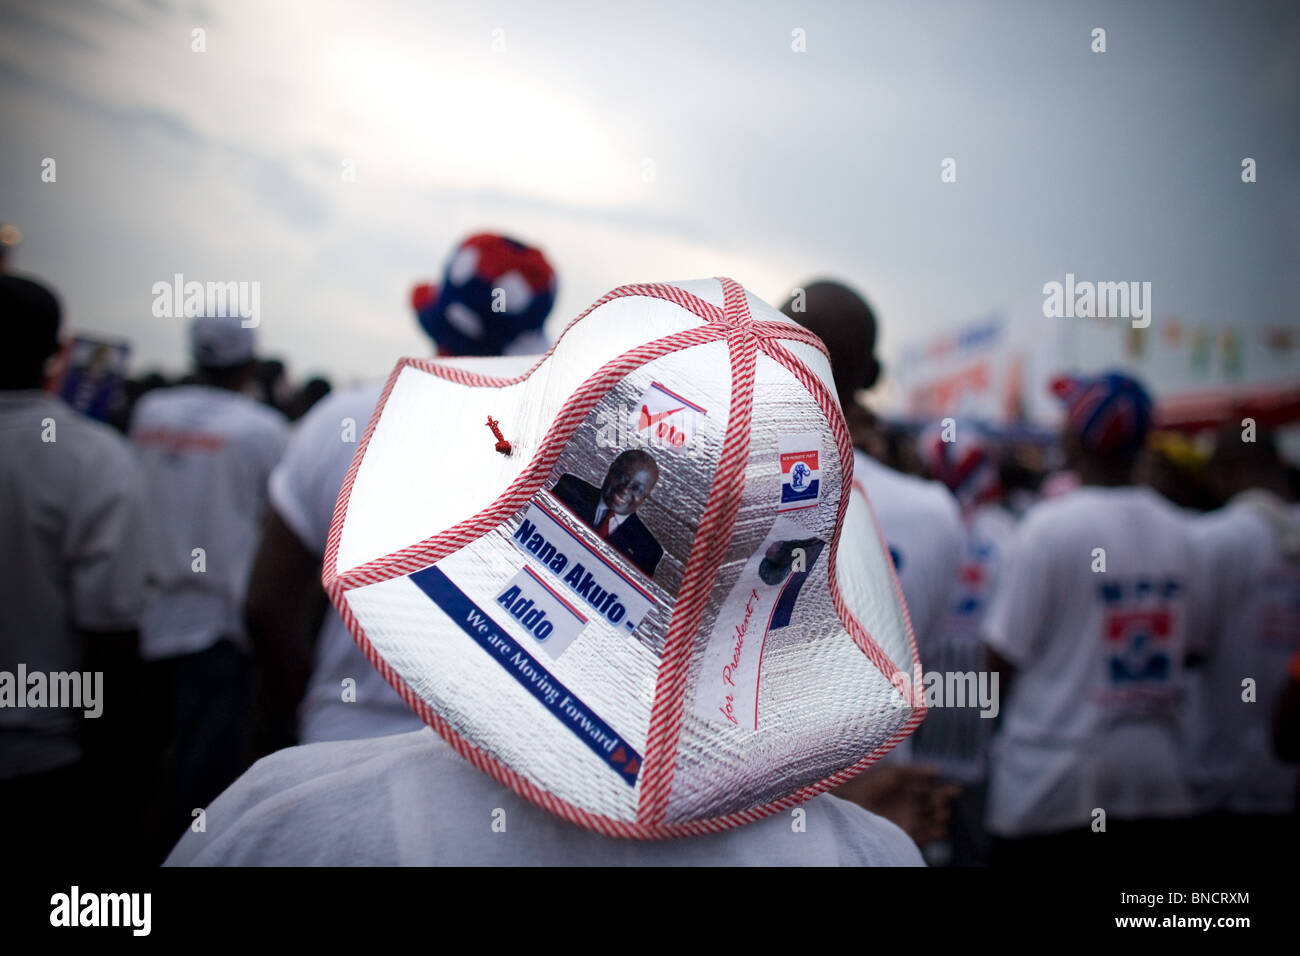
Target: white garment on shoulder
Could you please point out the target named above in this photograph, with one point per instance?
(304, 489)
(72, 519)
(1257, 622)
(956, 738)
(207, 453)
(921, 524)
(411, 800)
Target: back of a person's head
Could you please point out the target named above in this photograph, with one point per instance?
(312, 391)
(845, 323)
(963, 461)
(223, 349)
(1107, 419)
(1245, 456)
(31, 316)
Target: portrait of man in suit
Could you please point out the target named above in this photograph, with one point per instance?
(610, 510)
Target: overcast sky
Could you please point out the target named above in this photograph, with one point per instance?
(639, 142)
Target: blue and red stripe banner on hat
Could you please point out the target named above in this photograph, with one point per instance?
(529, 672)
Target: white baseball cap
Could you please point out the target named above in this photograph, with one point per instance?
(220, 341)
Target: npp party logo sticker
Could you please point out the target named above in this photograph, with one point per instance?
(800, 471)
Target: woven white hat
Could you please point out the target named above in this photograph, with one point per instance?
(661, 612)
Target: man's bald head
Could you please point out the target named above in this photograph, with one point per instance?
(842, 319)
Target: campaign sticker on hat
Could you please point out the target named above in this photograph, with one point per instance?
(761, 601)
(610, 508)
(800, 471)
(479, 624)
(587, 575)
(666, 419)
(548, 618)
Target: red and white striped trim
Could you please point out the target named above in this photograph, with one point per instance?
(744, 337)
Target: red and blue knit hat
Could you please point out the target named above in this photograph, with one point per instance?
(964, 464)
(496, 292)
(1109, 413)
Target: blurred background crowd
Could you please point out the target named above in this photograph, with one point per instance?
(1100, 512)
(1132, 591)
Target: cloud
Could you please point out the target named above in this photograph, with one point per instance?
(766, 163)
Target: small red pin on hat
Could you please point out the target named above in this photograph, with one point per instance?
(503, 446)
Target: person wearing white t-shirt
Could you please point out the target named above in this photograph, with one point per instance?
(956, 738)
(1247, 796)
(314, 683)
(207, 451)
(422, 804)
(919, 519)
(72, 513)
(1099, 605)
(921, 525)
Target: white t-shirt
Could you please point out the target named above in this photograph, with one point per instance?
(207, 454)
(1093, 716)
(921, 524)
(411, 800)
(922, 527)
(1257, 620)
(72, 514)
(304, 490)
(954, 738)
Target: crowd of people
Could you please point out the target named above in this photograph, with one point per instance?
(1125, 627)
(267, 381)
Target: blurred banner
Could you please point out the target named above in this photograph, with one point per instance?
(966, 371)
(997, 368)
(90, 374)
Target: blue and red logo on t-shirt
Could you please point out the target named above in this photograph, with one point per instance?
(1139, 628)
